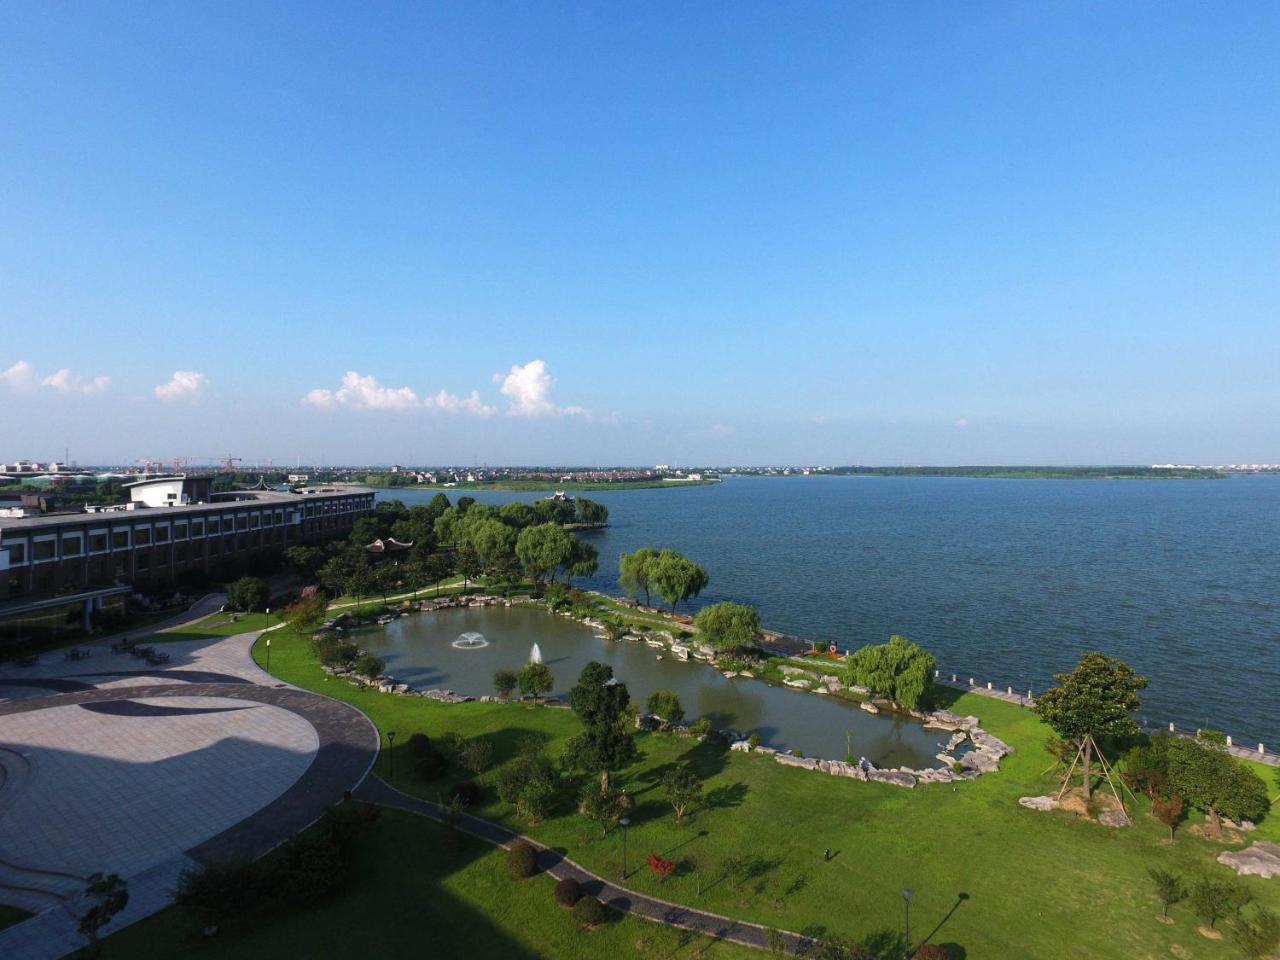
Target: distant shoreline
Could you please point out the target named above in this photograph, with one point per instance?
(543, 486)
(1012, 473)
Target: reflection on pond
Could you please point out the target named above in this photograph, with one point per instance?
(421, 650)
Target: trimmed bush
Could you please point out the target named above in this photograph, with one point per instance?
(419, 745)
(568, 892)
(589, 912)
(369, 666)
(931, 951)
(465, 792)
(522, 860)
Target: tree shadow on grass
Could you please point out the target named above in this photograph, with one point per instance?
(728, 795)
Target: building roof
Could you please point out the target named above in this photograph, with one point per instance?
(262, 498)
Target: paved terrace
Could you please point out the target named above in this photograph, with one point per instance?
(109, 765)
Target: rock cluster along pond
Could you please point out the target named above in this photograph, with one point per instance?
(984, 758)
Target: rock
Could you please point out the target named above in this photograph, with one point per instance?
(742, 746)
(793, 671)
(1261, 859)
(989, 744)
(1114, 818)
(896, 777)
(790, 760)
(798, 684)
(1038, 803)
(868, 706)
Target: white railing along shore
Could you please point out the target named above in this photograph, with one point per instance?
(1007, 694)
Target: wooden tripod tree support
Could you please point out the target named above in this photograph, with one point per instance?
(1107, 771)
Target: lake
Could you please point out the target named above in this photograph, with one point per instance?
(1004, 580)
(419, 650)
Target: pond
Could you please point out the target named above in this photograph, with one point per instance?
(429, 650)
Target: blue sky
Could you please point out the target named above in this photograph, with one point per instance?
(606, 233)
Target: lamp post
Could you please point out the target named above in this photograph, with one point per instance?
(906, 900)
(624, 823)
(391, 754)
(268, 635)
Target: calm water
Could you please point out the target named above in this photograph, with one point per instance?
(1005, 580)
(418, 651)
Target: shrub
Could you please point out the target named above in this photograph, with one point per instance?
(248, 593)
(333, 652)
(465, 792)
(419, 745)
(219, 891)
(522, 860)
(430, 765)
(931, 951)
(528, 782)
(754, 740)
(369, 666)
(568, 892)
(661, 868)
(665, 704)
(1169, 887)
(1259, 935)
(504, 681)
(589, 912)
(1214, 899)
(701, 727)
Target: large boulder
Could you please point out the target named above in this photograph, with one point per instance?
(1261, 859)
(896, 777)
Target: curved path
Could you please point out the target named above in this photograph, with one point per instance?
(559, 866)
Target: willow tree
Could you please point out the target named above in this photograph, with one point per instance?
(677, 578)
(1094, 700)
(634, 572)
(542, 548)
(729, 627)
(900, 670)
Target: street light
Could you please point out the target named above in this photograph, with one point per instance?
(268, 635)
(624, 823)
(391, 754)
(906, 899)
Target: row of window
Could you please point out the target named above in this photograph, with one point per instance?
(147, 534)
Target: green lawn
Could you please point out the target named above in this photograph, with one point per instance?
(1000, 881)
(419, 889)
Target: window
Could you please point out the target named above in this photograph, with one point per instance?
(142, 562)
(197, 528)
(179, 531)
(180, 552)
(43, 549)
(142, 536)
(254, 519)
(266, 518)
(279, 517)
(162, 534)
(97, 542)
(213, 526)
(242, 521)
(72, 546)
(119, 539)
(17, 552)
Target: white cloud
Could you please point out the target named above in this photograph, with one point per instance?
(528, 387)
(22, 378)
(64, 381)
(365, 393)
(184, 385)
(962, 422)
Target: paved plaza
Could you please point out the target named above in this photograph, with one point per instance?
(108, 765)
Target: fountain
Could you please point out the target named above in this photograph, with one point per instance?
(470, 641)
(535, 655)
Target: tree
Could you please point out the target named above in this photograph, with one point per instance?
(465, 504)
(437, 568)
(445, 526)
(370, 666)
(900, 670)
(634, 571)
(306, 561)
(541, 549)
(306, 614)
(517, 515)
(437, 505)
(677, 578)
(683, 788)
(583, 560)
(1096, 699)
(348, 572)
(107, 894)
(248, 593)
(535, 679)
(603, 807)
(1210, 779)
(528, 783)
(729, 627)
(591, 513)
(1170, 887)
(493, 542)
(1168, 810)
(1214, 899)
(600, 702)
(665, 704)
(468, 563)
(504, 681)
(1259, 935)
(416, 573)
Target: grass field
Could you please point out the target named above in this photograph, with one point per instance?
(996, 879)
(419, 889)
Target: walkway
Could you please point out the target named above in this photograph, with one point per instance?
(559, 866)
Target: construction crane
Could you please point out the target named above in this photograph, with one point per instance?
(178, 464)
